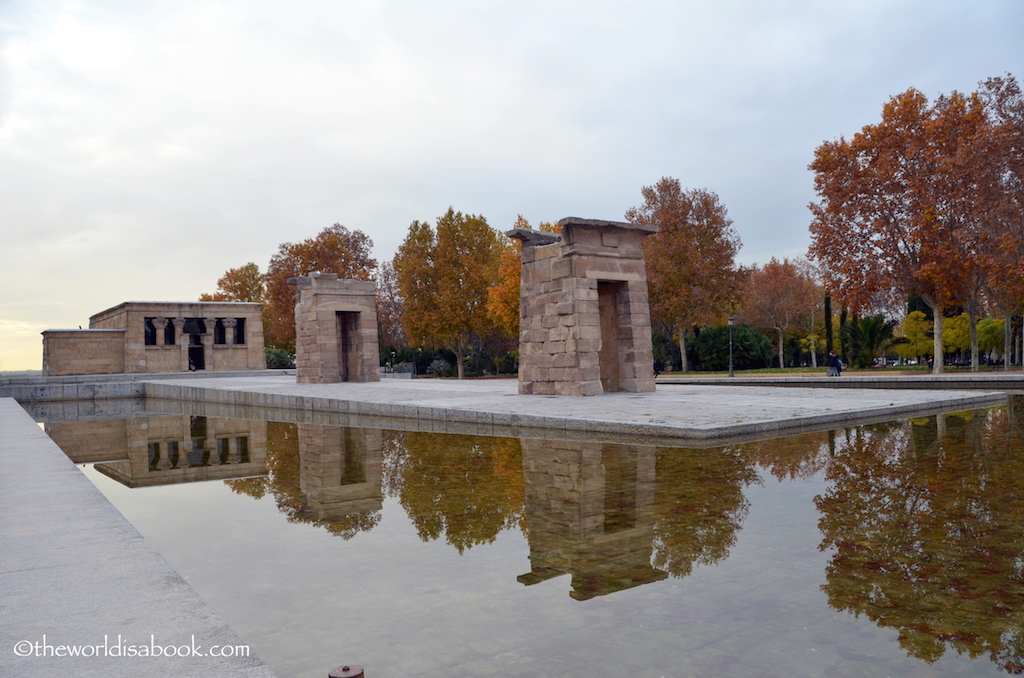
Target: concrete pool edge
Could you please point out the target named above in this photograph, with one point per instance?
(74, 570)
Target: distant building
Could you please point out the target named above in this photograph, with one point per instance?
(157, 336)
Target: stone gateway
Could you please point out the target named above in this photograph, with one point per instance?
(335, 329)
(584, 318)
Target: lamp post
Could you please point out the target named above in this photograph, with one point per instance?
(730, 348)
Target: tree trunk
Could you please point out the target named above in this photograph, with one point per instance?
(937, 346)
(937, 332)
(782, 356)
(458, 359)
(684, 366)
(1007, 339)
(814, 343)
(828, 324)
(972, 318)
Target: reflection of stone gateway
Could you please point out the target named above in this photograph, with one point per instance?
(585, 324)
(340, 472)
(590, 507)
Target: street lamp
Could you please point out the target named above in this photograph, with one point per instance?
(730, 348)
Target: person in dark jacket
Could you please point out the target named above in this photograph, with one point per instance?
(835, 365)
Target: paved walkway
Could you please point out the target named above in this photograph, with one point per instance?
(494, 407)
(74, 572)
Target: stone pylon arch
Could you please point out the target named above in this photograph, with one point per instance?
(584, 317)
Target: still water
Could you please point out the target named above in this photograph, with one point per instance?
(885, 550)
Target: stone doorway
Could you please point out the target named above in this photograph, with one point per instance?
(196, 355)
(608, 356)
(348, 340)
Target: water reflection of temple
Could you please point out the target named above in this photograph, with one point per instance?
(164, 450)
(340, 473)
(590, 511)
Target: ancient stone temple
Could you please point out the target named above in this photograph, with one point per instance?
(335, 329)
(584, 320)
(160, 336)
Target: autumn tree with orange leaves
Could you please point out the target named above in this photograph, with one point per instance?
(918, 203)
(1004, 107)
(335, 249)
(692, 277)
(778, 295)
(503, 297)
(244, 283)
(444, 277)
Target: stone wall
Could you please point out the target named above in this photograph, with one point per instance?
(67, 352)
(585, 324)
(335, 330)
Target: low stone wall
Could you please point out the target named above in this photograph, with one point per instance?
(68, 352)
(101, 386)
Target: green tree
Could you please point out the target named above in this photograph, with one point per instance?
(750, 348)
(956, 334)
(990, 334)
(868, 338)
(444, 277)
(917, 330)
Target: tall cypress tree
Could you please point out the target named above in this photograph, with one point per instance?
(828, 323)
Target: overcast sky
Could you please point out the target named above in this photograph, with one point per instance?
(147, 147)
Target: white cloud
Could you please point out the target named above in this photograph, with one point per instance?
(147, 147)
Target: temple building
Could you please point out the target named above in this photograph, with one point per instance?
(157, 336)
(584, 319)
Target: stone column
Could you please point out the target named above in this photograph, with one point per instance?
(183, 341)
(207, 340)
(229, 331)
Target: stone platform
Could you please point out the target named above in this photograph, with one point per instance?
(693, 413)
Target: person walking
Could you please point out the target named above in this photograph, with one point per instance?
(835, 365)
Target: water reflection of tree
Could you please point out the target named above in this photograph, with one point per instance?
(699, 506)
(926, 522)
(464, 488)
(283, 481)
(800, 456)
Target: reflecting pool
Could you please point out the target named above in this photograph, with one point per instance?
(885, 550)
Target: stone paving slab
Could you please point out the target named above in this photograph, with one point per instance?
(699, 412)
(74, 572)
